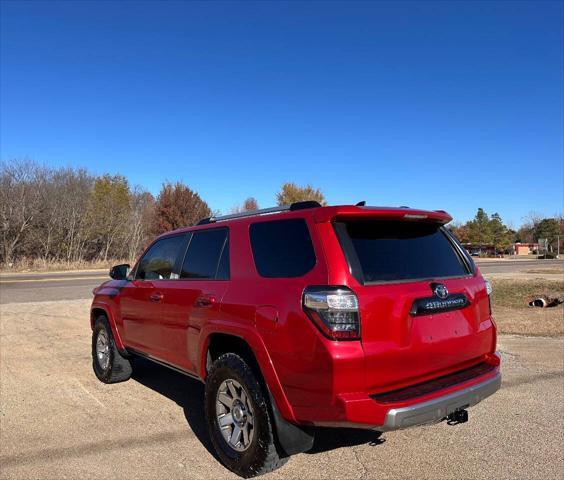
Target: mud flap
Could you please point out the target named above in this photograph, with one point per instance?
(292, 438)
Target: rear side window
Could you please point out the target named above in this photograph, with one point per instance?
(385, 251)
(158, 262)
(282, 248)
(207, 256)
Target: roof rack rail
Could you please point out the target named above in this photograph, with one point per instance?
(283, 208)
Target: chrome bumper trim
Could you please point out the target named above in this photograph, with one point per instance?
(435, 410)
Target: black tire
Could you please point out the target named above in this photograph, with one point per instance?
(262, 455)
(118, 368)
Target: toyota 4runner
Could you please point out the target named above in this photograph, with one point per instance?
(304, 316)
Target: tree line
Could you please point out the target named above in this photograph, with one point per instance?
(485, 230)
(68, 215)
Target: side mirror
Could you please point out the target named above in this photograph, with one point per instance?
(119, 272)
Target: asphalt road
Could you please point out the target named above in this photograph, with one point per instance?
(503, 266)
(32, 287)
(58, 421)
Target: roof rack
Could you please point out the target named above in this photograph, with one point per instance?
(284, 208)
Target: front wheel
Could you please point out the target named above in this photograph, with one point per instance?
(239, 420)
(108, 364)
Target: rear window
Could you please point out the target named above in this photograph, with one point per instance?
(282, 248)
(386, 251)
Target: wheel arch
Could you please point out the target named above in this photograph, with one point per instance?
(104, 309)
(291, 437)
(250, 346)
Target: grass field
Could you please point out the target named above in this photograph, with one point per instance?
(39, 265)
(546, 271)
(512, 314)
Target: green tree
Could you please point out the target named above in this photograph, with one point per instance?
(178, 206)
(479, 229)
(290, 193)
(548, 228)
(108, 212)
(501, 236)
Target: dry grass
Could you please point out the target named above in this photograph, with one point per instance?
(549, 271)
(39, 265)
(512, 313)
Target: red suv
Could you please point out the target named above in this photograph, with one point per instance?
(304, 316)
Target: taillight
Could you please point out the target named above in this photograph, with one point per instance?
(489, 291)
(334, 310)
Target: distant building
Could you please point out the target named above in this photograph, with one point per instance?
(525, 248)
(477, 249)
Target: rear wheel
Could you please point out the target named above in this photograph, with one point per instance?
(108, 364)
(239, 419)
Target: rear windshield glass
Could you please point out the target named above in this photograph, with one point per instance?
(282, 248)
(384, 251)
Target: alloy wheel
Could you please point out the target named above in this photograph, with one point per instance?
(103, 349)
(235, 416)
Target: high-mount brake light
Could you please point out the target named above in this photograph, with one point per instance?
(334, 310)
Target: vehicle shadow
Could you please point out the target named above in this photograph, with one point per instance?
(186, 392)
(327, 439)
(189, 395)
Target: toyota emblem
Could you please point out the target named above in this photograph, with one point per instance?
(440, 290)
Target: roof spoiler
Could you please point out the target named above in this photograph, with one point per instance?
(351, 212)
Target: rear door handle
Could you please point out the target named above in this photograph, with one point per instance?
(205, 300)
(156, 297)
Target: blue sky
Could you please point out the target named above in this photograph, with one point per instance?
(450, 105)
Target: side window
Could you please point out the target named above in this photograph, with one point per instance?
(158, 262)
(207, 256)
(223, 271)
(282, 248)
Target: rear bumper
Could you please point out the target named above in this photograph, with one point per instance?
(435, 410)
(421, 404)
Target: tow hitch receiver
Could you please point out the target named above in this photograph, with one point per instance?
(458, 416)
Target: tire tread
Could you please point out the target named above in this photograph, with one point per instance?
(120, 368)
(269, 457)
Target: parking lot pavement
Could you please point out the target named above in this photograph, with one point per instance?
(57, 421)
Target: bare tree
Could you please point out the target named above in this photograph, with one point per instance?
(142, 205)
(21, 191)
(75, 226)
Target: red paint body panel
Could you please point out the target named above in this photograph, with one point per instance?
(313, 380)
